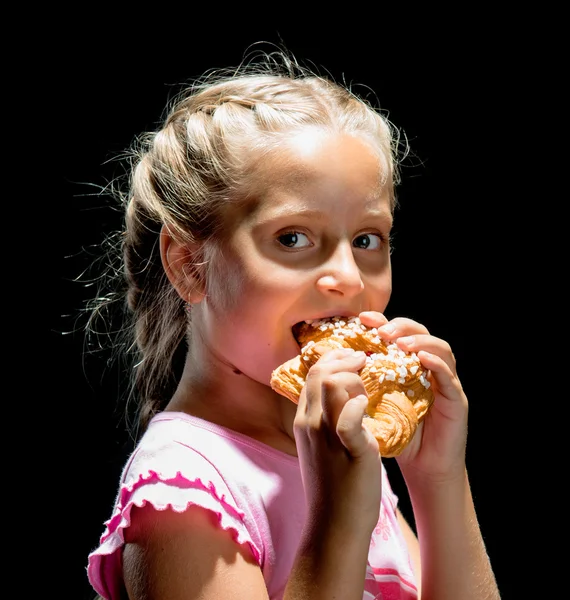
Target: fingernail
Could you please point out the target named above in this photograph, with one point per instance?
(363, 402)
(353, 352)
(374, 315)
(407, 340)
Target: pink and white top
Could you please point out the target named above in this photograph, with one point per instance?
(254, 490)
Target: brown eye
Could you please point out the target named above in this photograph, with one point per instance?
(294, 239)
(367, 241)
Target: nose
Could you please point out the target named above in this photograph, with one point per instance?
(340, 274)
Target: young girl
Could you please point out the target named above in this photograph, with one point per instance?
(265, 199)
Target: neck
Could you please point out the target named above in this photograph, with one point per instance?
(214, 390)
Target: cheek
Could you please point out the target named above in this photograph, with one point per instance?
(379, 289)
(238, 286)
(241, 276)
(227, 279)
(224, 287)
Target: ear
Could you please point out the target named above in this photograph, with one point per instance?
(178, 260)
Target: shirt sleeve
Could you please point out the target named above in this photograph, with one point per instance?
(172, 476)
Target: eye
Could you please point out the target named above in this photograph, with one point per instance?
(368, 241)
(294, 239)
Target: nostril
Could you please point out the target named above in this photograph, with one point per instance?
(341, 283)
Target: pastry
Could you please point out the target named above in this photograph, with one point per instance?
(399, 394)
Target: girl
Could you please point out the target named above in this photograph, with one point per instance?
(265, 199)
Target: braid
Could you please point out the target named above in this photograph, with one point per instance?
(153, 303)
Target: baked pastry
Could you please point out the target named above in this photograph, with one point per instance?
(399, 394)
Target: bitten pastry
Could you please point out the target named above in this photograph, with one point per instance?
(399, 394)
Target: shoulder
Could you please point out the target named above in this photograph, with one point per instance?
(187, 554)
(176, 467)
(167, 480)
(174, 448)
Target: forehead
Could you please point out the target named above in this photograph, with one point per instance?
(323, 168)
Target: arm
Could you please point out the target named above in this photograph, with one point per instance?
(187, 556)
(454, 560)
(330, 564)
(341, 470)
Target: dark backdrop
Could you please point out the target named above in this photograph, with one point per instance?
(453, 88)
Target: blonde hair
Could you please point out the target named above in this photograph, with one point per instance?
(185, 173)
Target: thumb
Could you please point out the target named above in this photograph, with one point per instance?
(352, 434)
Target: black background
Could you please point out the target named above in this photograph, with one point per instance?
(455, 86)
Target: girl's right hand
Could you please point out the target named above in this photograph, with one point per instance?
(339, 459)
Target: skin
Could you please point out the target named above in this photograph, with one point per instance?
(313, 242)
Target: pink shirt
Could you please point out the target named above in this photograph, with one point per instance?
(254, 490)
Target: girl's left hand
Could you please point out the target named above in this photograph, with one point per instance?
(437, 450)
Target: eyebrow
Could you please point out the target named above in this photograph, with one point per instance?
(288, 211)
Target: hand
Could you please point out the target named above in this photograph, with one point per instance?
(437, 450)
(339, 458)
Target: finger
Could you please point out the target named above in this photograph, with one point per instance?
(352, 434)
(431, 344)
(372, 318)
(336, 361)
(329, 355)
(447, 384)
(336, 390)
(401, 326)
(335, 354)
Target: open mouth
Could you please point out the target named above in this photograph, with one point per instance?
(296, 330)
(298, 327)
